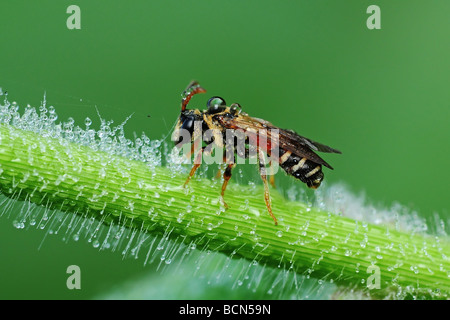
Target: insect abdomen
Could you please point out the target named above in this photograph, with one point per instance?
(301, 168)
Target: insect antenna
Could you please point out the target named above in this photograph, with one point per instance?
(192, 89)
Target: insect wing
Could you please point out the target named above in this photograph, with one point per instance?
(288, 140)
(316, 146)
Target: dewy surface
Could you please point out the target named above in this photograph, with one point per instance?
(99, 185)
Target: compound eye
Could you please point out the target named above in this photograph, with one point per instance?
(235, 108)
(216, 105)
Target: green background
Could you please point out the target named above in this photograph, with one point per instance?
(380, 96)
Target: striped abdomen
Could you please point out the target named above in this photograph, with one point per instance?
(301, 168)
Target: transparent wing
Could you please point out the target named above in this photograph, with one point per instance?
(287, 139)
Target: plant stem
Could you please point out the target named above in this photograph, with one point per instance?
(308, 241)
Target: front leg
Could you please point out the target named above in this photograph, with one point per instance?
(197, 163)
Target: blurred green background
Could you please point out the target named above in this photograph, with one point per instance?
(380, 96)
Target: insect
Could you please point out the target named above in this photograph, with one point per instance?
(295, 154)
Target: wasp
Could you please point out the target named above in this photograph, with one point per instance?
(295, 154)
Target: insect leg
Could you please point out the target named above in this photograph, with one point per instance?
(219, 173)
(262, 171)
(189, 154)
(197, 164)
(229, 158)
(226, 178)
(272, 176)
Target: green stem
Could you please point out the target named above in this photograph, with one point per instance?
(307, 240)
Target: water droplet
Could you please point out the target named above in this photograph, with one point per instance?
(414, 269)
(279, 234)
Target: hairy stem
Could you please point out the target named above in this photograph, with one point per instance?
(307, 241)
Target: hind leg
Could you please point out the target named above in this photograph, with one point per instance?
(262, 172)
(272, 175)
